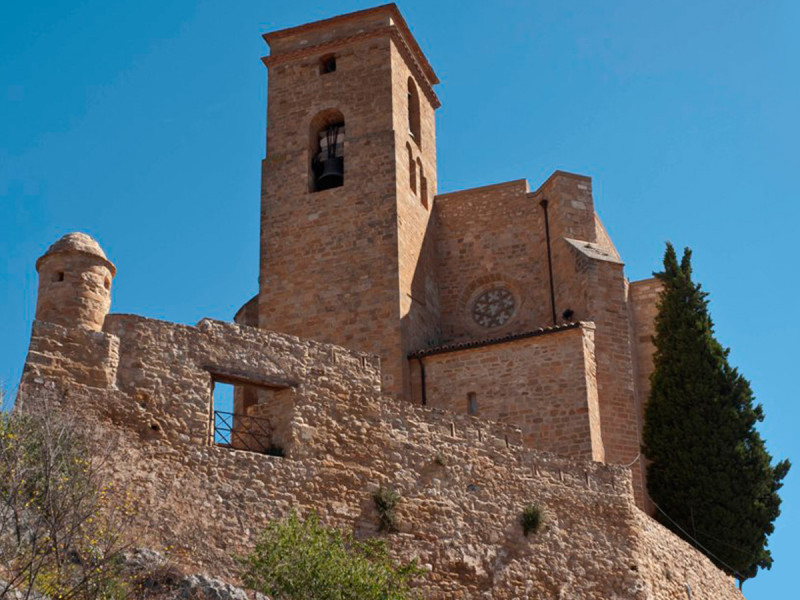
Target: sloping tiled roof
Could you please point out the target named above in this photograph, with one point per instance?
(489, 342)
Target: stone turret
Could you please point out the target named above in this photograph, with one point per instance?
(74, 283)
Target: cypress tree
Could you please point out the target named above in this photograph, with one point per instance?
(710, 475)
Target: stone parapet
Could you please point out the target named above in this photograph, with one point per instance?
(463, 482)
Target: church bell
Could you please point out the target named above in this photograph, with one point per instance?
(329, 169)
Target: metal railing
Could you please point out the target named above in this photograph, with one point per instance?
(243, 432)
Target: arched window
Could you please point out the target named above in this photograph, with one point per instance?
(423, 185)
(413, 112)
(412, 170)
(326, 148)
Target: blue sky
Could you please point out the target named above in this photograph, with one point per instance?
(142, 123)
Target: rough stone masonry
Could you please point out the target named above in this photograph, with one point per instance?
(477, 350)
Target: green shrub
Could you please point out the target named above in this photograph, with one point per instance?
(298, 559)
(386, 500)
(532, 518)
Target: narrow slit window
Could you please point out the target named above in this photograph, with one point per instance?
(413, 112)
(423, 185)
(412, 170)
(472, 403)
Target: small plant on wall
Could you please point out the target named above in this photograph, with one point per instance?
(440, 459)
(532, 518)
(386, 500)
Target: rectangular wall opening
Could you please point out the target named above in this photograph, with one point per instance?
(251, 417)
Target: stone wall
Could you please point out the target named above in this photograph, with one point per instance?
(675, 567)
(590, 281)
(643, 297)
(416, 181)
(463, 482)
(487, 237)
(495, 236)
(619, 405)
(643, 307)
(544, 384)
(72, 355)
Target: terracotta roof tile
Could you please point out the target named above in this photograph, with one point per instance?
(491, 341)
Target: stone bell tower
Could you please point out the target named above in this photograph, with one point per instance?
(348, 186)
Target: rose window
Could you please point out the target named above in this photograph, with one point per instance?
(493, 308)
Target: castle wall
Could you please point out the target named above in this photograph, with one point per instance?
(463, 482)
(545, 385)
(71, 354)
(673, 566)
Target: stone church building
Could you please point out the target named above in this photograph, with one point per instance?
(506, 302)
(476, 351)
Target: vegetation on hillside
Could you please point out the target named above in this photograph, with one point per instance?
(62, 530)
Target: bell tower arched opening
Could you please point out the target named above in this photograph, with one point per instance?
(326, 149)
